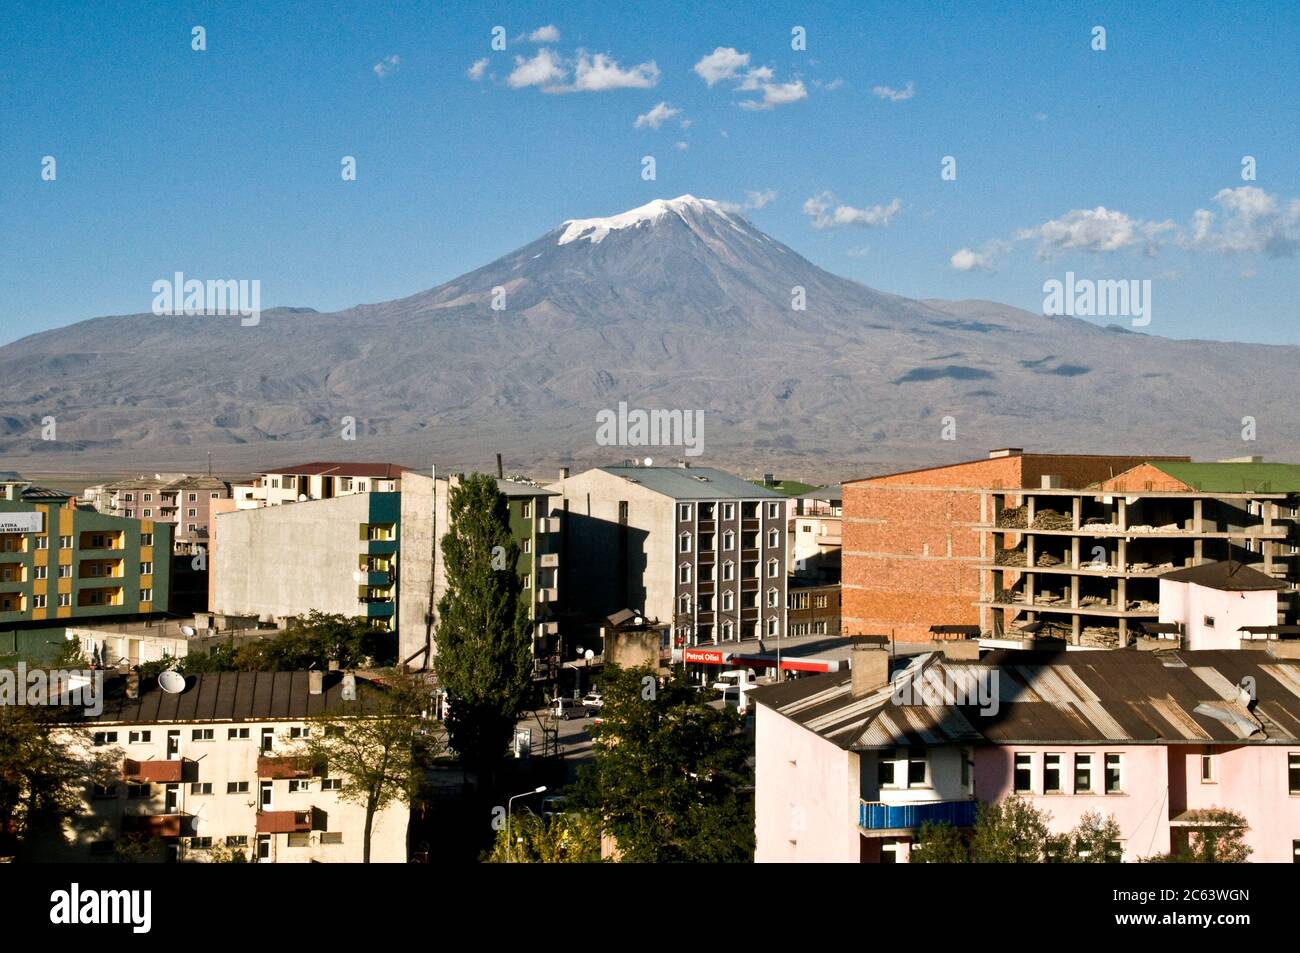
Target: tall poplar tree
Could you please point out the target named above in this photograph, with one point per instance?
(484, 638)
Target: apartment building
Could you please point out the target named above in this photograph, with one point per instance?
(318, 480)
(816, 533)
(914, 542)
(181, 500)
(692, 544)
(59, 563)
(1086, 563)
(813, 607)
(220, 765)
(850, 765)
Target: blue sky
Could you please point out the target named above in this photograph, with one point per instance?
(226, 163)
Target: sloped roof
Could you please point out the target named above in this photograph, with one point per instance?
(1115, 697)
(1227, 576)
(383, 471)
(694, 483)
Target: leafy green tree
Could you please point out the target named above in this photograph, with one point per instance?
(940, 843)
(381, 752)
(570, 838)
(1092, 841)
(669, 773)
(484, 641)
(1220, 838)
(1011, 831)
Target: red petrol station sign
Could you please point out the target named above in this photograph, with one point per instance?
(706, 656)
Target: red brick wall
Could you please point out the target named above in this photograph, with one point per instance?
(909, 551)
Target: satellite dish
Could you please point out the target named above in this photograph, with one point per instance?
(358, 576)
(589, 655)
(648, 462)
(302, 497)
(189, 631)
(171, 681)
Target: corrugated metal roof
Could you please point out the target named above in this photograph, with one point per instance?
(694, 483)
(1069, 698)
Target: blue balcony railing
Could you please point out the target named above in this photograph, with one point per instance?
(878, 816)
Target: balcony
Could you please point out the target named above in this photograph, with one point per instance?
(547, 595)
(159, 825)
(549, 561)
(283, 768)
(375, 608)
(283, 822)
(153, 772)
(879, 816)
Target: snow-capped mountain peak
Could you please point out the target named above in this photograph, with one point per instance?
(595, 229)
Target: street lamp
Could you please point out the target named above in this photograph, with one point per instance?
(510, 844)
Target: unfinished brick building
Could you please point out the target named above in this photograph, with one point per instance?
(912, 543)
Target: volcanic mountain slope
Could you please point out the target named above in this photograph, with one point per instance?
(679, 304)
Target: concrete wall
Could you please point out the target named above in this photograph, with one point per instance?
(287, 560)
(415, 566)
(1253, 781)
(1191, 605)
(806, 797)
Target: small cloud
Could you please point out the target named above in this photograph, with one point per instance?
(828, 86)
(776, 94)
(686, 123)
(1096, 230)
(1250, 221)
(723, 63)
(598, 72)
(894, 95)
(967, 259)
(681, 146)
(656, 117)
(859, 252)
(542, 69)
(387, 66)
(753, 200)
(825, 213)
(545, 34)
(1040, 116)
(477, 71)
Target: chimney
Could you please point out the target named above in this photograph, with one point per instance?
(349, 693)
(564, 473)
(133, 684)
(315, 682)
(1005, 452)
(869, 669)
(959, 650)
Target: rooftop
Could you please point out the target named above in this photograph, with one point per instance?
(1227, 576)
(694, 483)
(383, 471)
(1235, 477)
(1116, 697)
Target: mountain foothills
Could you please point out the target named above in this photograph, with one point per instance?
(679, 304)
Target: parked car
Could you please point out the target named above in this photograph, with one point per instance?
(593, 701)
(552, 805)
(567, 708)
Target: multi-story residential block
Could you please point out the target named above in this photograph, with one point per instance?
(183, 501)
(695, 545)
(913, 543)
(816, 534)
(220, 765)
(59, 563)
(1086, 562)
(814, 607)
(318, 480)
(850, 765)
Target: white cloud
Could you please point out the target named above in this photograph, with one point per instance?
(967, 259)
(387, 66)
(723, 63)
(598, 72)
(776, 94)
(545, 34)
(825, 213)
(1040, 116)
(476, 71)
(832, 85)
(541, 70)
(682, 146)
(1096, 230)
(753, 200)
(1251, 222)
(894, 95)
(656, 117)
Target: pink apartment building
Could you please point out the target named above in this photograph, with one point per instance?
(850, 765)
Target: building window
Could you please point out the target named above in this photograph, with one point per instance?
(684, 604)
(65, 572)
(299, 839)
(728, 600)
(129, 497)
(300, 732)
(728, 511)
(331, 837)
(148, 513)
(139, 791)
(201, 734)
(526, 509)
(1293, 773)
(684, 513)
(1209, 621)
(727, 630)
(146, 569)
(237, 787)
(771, 626)
(1207, 768)
(773, 538)
(331, 784)
(1024, 773)
(773, 569)
(192, 513)
(140, 737)
(1083, 774)
(237, 840)
(146, 539)
(65, 542)
(1052, 774)
(146, 595)
(191, 498)
(40, 572)
(65, 599)
(298, 784)
(215, 496)
(236, 733)
(102, 738)
(526, 546)
(148, 497)
(38, 602)
(728, 571)
(1114, 774)
(528, 580)
(918, 768)
(773, 598)
(885, 769)
(773, 510)
(728, 540)
(684, 543)
(201, 787)
(684, 572)
(105, 791)
(42, 542)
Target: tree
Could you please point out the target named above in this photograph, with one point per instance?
(569, 838)
(381, 752)
(668, 773)
(1092, 841)
(1218, 838)
(484, 641)
(940, 843)
(1010, 831)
